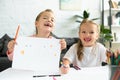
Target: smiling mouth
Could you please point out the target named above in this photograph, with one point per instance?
(87, 39)
(48, 24)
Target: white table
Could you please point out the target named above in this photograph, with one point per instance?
(93, 73)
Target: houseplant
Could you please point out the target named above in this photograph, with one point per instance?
(105, 35)
(84, 16)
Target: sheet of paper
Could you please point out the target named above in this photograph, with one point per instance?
(37, 54)
(88, 73)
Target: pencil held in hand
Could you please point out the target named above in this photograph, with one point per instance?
(13, 42)
(17, 32)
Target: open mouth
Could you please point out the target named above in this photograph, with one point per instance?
(48, 24)
(87, 39)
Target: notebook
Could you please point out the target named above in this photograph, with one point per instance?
(41, 55)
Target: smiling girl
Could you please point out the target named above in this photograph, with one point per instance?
(87, 52)
(44, 24)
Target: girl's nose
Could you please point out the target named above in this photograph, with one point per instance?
(87, 34)
(49, 19)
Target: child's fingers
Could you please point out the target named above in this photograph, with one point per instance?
(64, 69)
(11, 45)
(63, 44)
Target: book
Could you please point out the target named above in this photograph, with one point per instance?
(113, 4)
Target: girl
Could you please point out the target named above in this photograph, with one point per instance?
(87, 52)
(44, 23)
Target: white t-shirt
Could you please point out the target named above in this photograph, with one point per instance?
(92, 56)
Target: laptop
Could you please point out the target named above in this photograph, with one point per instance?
(41, 55)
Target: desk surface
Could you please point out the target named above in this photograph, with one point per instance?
(93, 73)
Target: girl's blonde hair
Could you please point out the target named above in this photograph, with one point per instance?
(39, 15)
(80, 47)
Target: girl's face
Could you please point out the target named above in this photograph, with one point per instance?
(88, 34)
(45, 23)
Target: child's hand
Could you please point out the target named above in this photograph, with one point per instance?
(64, 69)
(63, 44)
(11, 45)
(65, 66)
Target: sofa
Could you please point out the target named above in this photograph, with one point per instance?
(6, 63)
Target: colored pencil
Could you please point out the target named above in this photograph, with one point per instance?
(16, 35)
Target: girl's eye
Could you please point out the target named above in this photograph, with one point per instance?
(83, 32)
(91, 32)
(44, 18)
(48, 18)
(52, 20)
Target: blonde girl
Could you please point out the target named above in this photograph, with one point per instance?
(87, 52)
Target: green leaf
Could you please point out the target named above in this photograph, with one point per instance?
(105, 31)
(95, 18)
(108, 37)
(85, 14)
(101, 28)
(78, 21)
(105, 34)
(79, 16)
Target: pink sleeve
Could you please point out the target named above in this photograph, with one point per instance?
(10, 55)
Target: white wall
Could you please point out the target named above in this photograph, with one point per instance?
(24, 12)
